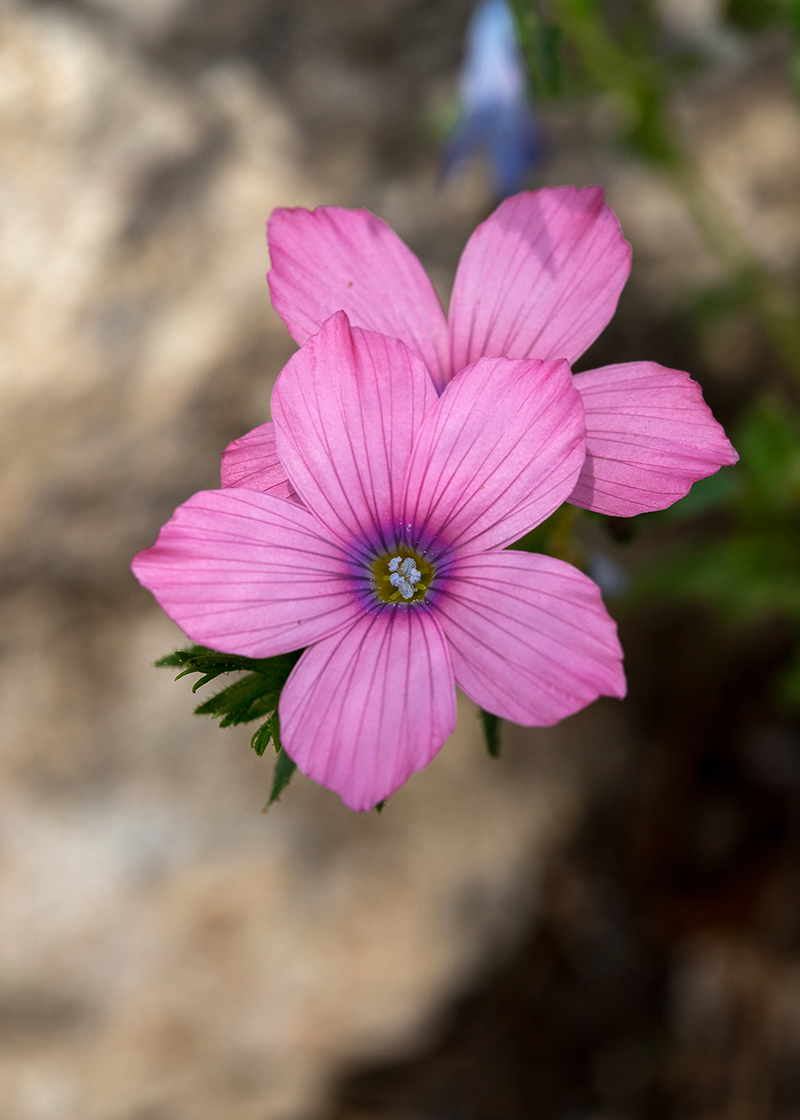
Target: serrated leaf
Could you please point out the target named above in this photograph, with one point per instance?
(251, 697)
(275, 727)
(276, 670)
(206, 679)
(281, 776)
(244, 700)
(201, 659)
(262, 738)
(491, 732)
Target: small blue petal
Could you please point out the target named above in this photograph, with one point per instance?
(497, 118)
(493, 70)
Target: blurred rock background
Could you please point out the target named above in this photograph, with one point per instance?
(604, 923)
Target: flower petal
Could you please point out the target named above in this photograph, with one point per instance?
(500, 450)
(529, 636)
(540, 278)
(249, 573)
(330, 259)
(649, 436)
(252, 461)
(366, 708)
(347, 408)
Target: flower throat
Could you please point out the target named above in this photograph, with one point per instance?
(401, 577)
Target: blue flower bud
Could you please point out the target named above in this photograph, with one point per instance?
(497, 118)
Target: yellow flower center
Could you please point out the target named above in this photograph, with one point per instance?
(401, 577)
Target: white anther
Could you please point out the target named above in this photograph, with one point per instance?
(404, 575)
(410, 571)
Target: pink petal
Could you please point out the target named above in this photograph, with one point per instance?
(252, 461)
(500, 450)
(347, 408)
(650, 435)
(248, 573)
(366, 708)
(540, 278)
(529, 636)
(330, 259)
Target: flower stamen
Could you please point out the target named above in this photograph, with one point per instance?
(402, 577)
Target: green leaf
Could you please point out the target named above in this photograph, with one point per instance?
(251, 697)
(380, 806)
(491, 732)
(282, 775)
(275, 724)
(200, 659)
(244, 700)
(262, 738)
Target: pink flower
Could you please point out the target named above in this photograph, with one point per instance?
(384, 555)
(540, 278)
